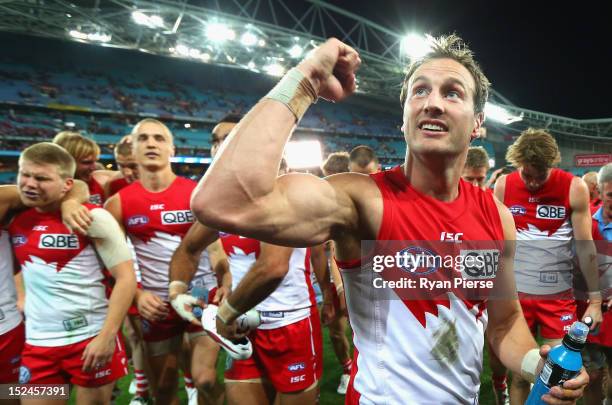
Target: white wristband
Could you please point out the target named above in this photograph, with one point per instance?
(227, 313)
(177, 286)
(295, 91)
(529, 365)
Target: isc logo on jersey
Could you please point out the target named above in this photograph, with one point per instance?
(550, 212)
(58, 241)
(480, 264)
(176, 217)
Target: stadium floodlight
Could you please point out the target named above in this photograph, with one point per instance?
(415, 46)
(78, 34)
(182, 50)
(499, 114)
(296, 51)
(194, 53)
(303, 154)
(187, 125)
(251, 65)
(274, 69)
(261, 43)
(153, 21)
(98, 37)
(205, 57)
(248, 39)
(218, 32)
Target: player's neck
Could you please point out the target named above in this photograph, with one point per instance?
(437, 178)
(51, 207)
(157, 181)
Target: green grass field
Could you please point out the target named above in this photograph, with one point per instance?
(329, 381)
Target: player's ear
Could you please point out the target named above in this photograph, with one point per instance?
(478, 121)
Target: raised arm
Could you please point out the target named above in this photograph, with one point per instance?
(585, 247)
(240, 192)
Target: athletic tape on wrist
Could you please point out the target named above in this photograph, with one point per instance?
(595, 295)
(226, 313)
(529, 365)
(179, 284)
(295, 91)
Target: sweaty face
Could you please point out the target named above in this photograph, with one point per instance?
(85, 167)
(153, 146)
(475, 175)
(439, 115)
(41, 185)
(128, 167)
(219, 133)
(533, 177)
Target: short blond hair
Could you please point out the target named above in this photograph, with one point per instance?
(336, 162)
(77, 145)
(536, 147)
(477, 157)
(152, 121)
(50, 153)
(124, 146)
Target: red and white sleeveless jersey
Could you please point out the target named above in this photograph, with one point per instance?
(156, 224)
(96, 192)
(417, 351)
(9, 314)
(117, 184)
(292, 299)
(62, 275)
(544, 256)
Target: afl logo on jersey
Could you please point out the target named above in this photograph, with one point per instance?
(95, 199)
(550, 212)
(418, 260)
(518, 210)
(24, 375)
(19, 240)
(176, 217)
(137, 220)
(58, 241)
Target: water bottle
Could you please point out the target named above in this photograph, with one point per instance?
(563, 363)
(201, 294)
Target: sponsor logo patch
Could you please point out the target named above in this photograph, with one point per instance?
(518, 210)
(295, 367)
(566, 317)
(24, 375)
(176, 217)
(480, 264)
(58, 241)
(137, 220)
(19, 240)
(550, 212)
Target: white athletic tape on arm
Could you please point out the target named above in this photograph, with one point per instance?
(227, 313)
(111, 243)
(295, 91)
(177, 287)
(178, 303)
(529, 365)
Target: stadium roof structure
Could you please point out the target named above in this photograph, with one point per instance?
(265, 36)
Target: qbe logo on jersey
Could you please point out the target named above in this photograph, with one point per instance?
(58, 241)
(480, 264)
(550, 212)
(176, 217)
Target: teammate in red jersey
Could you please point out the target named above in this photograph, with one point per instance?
(408, 351)
(155, 213)
(476, 166)
(551, 211)
(86, 153)
(71, 328)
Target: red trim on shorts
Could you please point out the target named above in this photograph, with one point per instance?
(352, 395)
